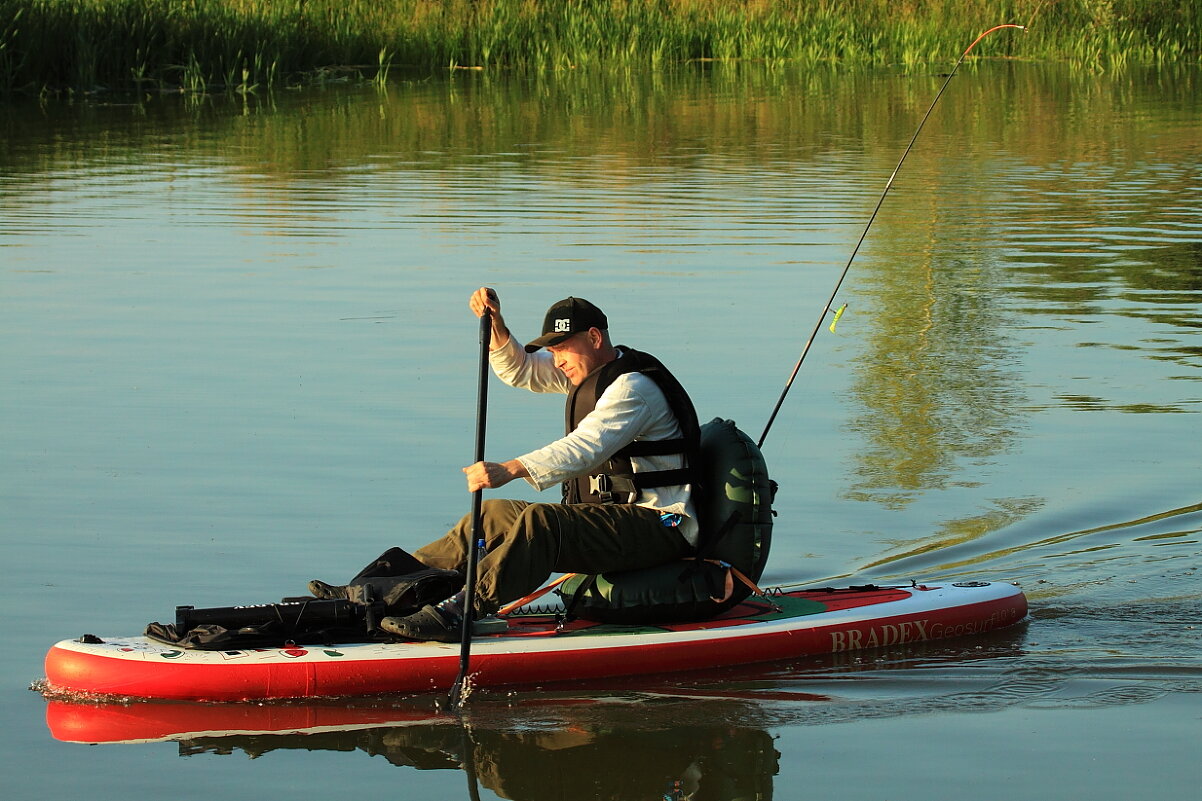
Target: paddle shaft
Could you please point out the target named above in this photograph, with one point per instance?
(888, 185)
(476, 541)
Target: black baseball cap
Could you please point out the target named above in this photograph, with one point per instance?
(565, 318)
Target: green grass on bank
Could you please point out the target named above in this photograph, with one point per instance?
(199, 45)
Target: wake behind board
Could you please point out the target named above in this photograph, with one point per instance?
(534, 650)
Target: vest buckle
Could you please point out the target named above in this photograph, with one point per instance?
(602, 486)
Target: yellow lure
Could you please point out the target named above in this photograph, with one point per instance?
(838, 314)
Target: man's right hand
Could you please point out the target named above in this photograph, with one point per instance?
(486, 298)
(490, 475)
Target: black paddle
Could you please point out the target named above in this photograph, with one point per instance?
(454, 698)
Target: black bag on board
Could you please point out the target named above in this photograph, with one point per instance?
(395, 584)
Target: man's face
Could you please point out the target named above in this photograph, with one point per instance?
(578, 355)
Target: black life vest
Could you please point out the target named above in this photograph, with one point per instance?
(615, 481)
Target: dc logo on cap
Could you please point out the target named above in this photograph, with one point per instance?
(563, 325)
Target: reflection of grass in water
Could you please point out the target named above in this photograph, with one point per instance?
(199, 45)
(935, 382)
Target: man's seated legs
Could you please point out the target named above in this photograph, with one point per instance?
(526, 542)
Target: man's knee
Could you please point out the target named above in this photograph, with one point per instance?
(498, 516)
(538, 518)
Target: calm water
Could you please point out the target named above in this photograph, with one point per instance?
(237, 355)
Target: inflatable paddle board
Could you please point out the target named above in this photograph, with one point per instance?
(535, 649)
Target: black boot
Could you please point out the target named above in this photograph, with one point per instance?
(327, 592)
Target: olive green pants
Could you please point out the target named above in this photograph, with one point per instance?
(526, 542)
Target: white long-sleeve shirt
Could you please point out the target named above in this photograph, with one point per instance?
(631, 408)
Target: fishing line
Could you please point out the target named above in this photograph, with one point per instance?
(888, 185)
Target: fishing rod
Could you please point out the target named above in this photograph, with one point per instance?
(888, 185)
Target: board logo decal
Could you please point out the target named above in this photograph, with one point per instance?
(916, 631)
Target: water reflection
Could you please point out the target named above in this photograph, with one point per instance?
(719, 763)
(936, 380)
(570, 755)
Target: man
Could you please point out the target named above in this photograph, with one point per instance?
(624, 462)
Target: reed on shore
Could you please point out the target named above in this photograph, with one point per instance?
(240, 45)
